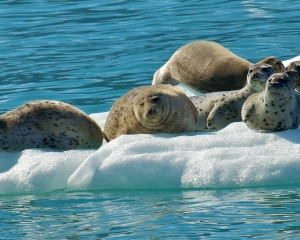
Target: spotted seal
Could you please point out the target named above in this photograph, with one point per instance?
(48, 124)
(217, 110)
(151, 109)
(208, 67)
(274, 108)
(293, 70)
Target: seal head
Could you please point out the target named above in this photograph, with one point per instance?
(150, 110)
(280, 85)
(293, 70)
(257, 76)
(275, 63)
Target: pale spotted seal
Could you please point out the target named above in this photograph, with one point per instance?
(293, 70)
(217, 110)
(48, 124)
(151, 109)
(208, 67)
(274, 108)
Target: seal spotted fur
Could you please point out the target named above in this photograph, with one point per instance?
(151, 109)
(293, 70)
(217, 110)
(48, 124)
(208, 67)
(275, 108)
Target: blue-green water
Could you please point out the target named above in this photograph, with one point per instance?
(214, 214)
(89, 53)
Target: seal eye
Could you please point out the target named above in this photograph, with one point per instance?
(251, 70)
(155, 99)
(298, 68)
(142, 105)
(265, 70)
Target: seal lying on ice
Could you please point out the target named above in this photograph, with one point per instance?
(217, 110)
(48, 124)
(208, 67)
(151, 109)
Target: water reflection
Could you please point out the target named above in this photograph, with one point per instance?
(215, 213)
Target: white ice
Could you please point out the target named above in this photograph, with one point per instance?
(233, 157)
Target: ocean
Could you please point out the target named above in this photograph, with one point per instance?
(235, 183)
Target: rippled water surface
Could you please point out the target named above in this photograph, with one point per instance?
(233, 214)
(89, 53)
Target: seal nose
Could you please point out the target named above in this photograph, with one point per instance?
(289, 72)
(265, 69)
(269, 71)
(283, 80)
(256, 75)
(150, 111)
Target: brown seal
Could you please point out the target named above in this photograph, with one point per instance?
(48, 124)
(208, 67)
(151, 109)
(293, 70)
(217, 110)
(274, 108)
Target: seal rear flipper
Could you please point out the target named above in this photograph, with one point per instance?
(215, 115)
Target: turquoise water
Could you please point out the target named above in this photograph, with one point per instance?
(263, 213)
(89, 53)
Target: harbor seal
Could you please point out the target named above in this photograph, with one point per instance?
(208, 67)
(277, 65)
(151, 109)
(48, 124)
(217, 110)
(293, 70)
(274, 108)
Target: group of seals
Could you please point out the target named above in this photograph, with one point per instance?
(48, 124)
(151, 109)
(208, 67)
(205, 66)
(275, 108)
(217, 110)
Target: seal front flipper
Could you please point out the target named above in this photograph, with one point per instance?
(247, 112)
(215, 115)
